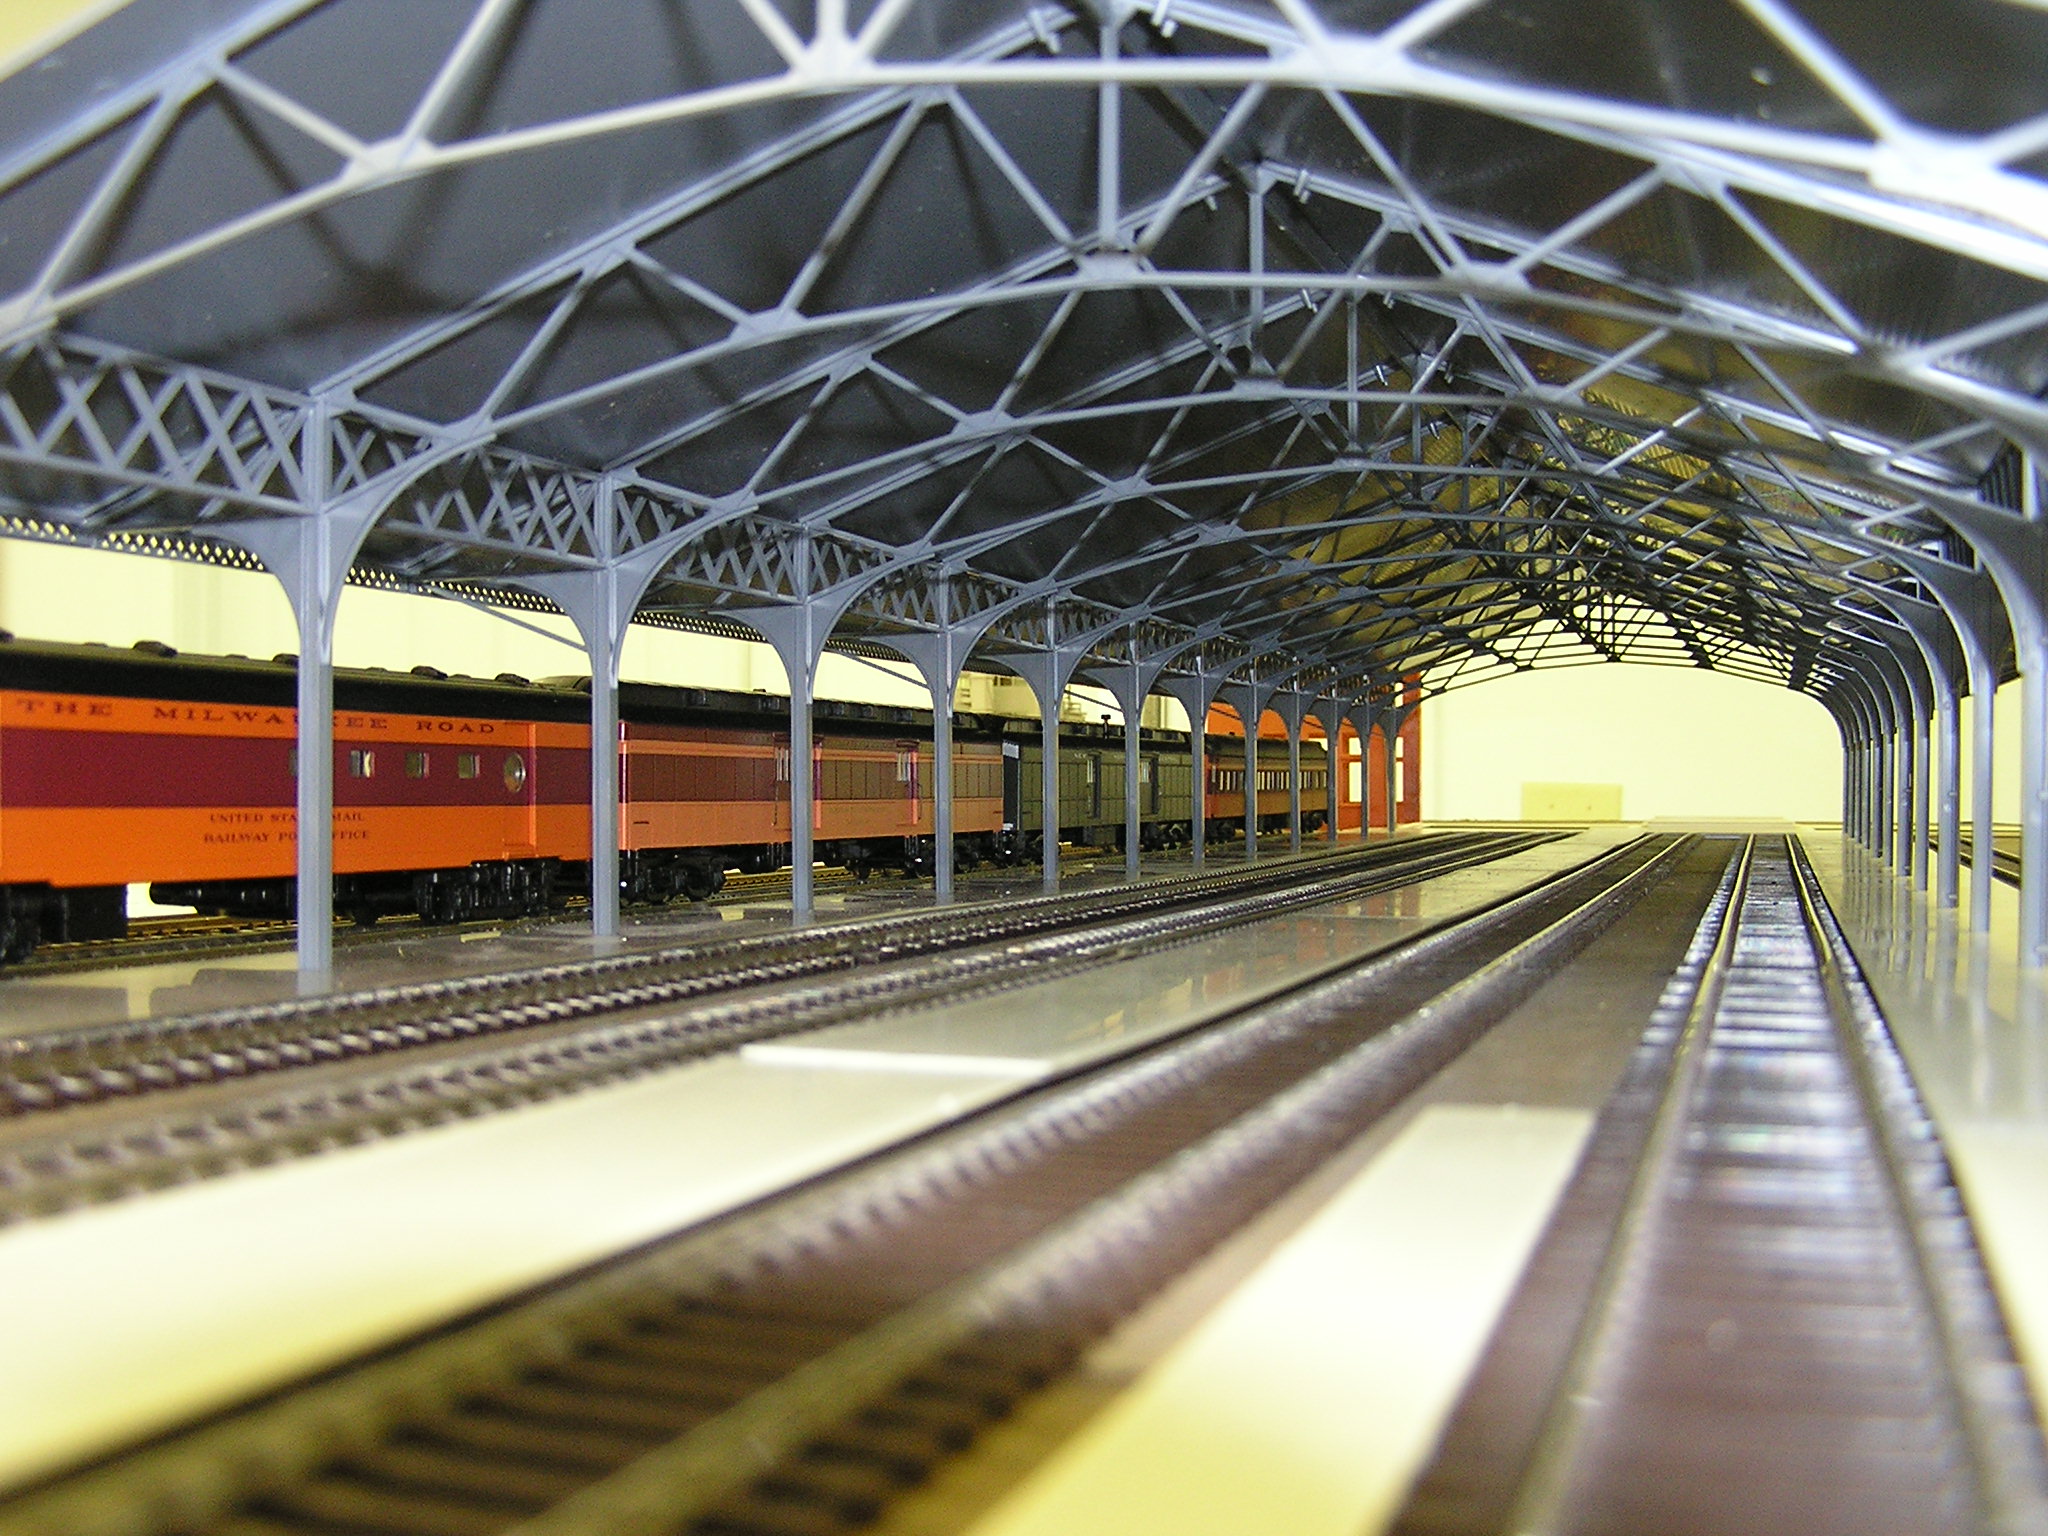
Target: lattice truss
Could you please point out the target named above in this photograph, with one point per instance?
(1356, 341)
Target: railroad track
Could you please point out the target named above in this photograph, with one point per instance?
(190, 938)
(2005, 862)
(1759, 1306)
(791, 1367)
(97, 1113)
(159, 940)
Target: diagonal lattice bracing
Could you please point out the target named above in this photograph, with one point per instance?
(1428, 350)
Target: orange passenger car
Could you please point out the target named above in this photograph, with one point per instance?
(453, 797)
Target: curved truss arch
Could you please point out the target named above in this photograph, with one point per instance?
(1392, 354)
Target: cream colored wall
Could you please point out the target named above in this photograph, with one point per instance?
(1680, 742)
(27, 27)
(50, 592)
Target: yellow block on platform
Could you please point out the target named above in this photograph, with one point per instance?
(1571, 802)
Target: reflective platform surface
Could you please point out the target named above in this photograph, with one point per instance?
(261, 1275)
(1301, 1391)
(1974, 1028)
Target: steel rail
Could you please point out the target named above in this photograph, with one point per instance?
(576, 1043)
(153, 941)
(795, 1364)
(2004, 865)
(1759, 1305)
(93, 1062)
(1988, 1393)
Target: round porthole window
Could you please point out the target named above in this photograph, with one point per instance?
(515, 773)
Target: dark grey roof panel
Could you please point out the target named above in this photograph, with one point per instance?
(1360, 339)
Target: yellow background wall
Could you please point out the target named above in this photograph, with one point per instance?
(53, 593)
(50, 592)
(28, 26)
(1680, 742)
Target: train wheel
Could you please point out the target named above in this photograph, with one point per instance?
(700, 881)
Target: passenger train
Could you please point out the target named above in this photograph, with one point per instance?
(459, 797)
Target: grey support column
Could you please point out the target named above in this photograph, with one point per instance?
(600, 604)
(1866, 776)
(1364, 721)
(1983, 744)
(1251, 782)
(1923, 780)
(798, 632)
(1914, 806)
(803, 805)
(1866, 785)
(1859, 771)
(604, 791)
(1391, 767)
(1049, 791)
(1130, 683)
(2033, 661)
(1882, 758)
(1196, 691)
(310, 556)
(942, 797)
(1869, 753)
(1133, 811)
(1948, 792)
(1329, 714)
(1852, 771)
(1969, 600)
(1293, 706)
(1249, 699)
(1392, 718)
(314, 896)
(1902, 773)
(603, 637)
(2019, 564)
(1048, 673)
(1890, 735)
(940, 657)
(1902, 790)
(1856, 756)
(1294, 789)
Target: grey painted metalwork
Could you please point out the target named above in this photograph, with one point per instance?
(1390, 766)
(1329, 712)
(1250, 698)
(1196, 689)
(1418, 345)
(1941, 669)
(1977, 620)
(1293, 706)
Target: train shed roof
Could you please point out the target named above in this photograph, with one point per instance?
(1365, 346)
